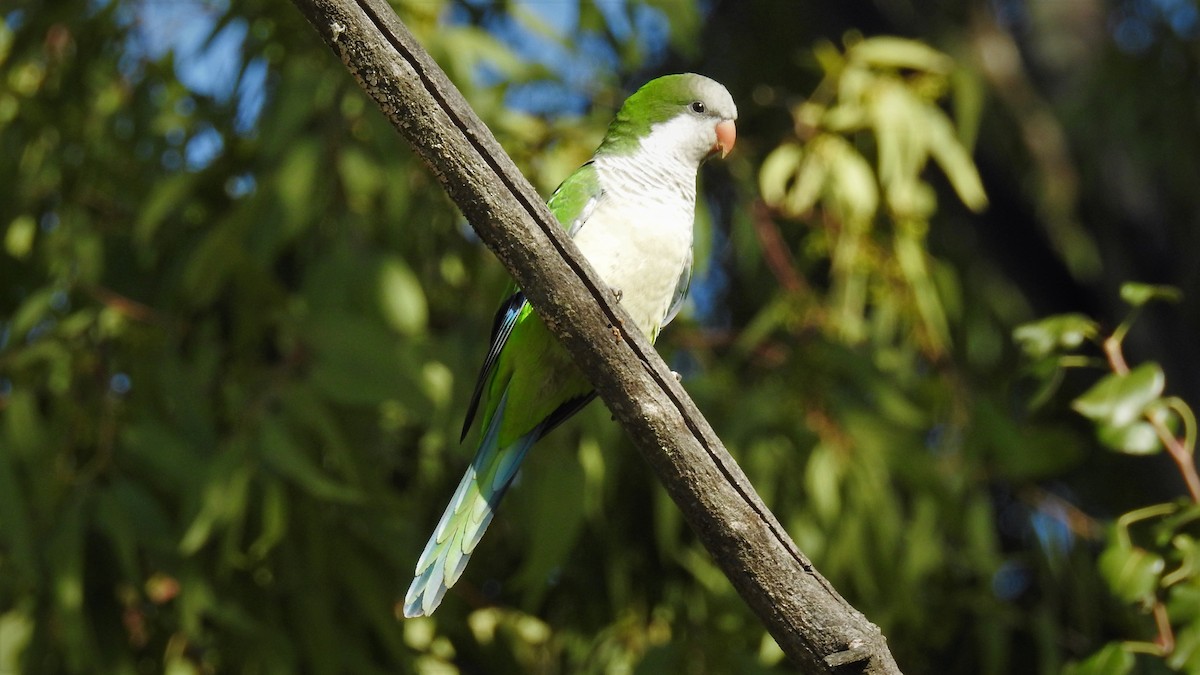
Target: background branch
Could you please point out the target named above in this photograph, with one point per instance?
(812, 623)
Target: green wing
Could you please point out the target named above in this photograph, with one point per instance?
(572, 203)
(528, 394)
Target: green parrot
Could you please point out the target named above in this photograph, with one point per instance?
(630, 209)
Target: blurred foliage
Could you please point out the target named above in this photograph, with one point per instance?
(882, 93)
(239, 323)
(1162, 577)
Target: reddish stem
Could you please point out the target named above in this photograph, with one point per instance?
(1175, 447)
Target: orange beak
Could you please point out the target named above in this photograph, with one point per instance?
(726, 136)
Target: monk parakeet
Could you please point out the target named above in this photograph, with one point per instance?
(630, 209)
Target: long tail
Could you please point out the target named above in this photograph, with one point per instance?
(467, 516)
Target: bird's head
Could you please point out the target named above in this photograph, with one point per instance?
(686, 115)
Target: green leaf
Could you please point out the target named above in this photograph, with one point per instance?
(1183, 602)
(810, 181)
(1138, 438)
(401, 297)
(851, 182)
(1187, 554)
(1185, 657)
(900, 53)
(35, 307)
(1118, 400)
(18, 240)
(295, 181)
(1112, 659)
(1046, 336)
(223, 501)
(823, 484)
(1138, 294)
(16, 628)
(899, 119)
(910, 255)
(274, 523)
(778, 171)
(956, 162)
(1131, 572)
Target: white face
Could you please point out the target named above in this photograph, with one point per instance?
(690, 137)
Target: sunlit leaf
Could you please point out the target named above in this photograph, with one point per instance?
(823, 484)
(1137, 438)
(178, 665)
(401, 297)
(1138, 294)
(16, 628)
(810, 181)
(1046, 336)
(18, 239)
(969, 100)
(296, 184)
(778, 170)
(900, 123)
(900, 53)
(911, 258)
(1117, 400)
(952, 157)
(851, 182)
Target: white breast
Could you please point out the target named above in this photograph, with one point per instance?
(639, 239)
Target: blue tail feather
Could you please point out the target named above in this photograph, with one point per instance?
(455, 537)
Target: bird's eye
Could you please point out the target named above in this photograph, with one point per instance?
(697, 107)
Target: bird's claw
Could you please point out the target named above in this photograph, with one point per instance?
(617, 293)
(678, 376)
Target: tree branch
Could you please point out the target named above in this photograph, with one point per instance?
(812, 623)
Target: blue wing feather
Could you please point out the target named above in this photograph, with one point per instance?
(502, 325)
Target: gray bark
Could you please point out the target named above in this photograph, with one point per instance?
(818, 630)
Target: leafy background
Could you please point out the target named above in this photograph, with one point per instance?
(239, 323)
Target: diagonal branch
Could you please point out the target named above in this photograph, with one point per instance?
(812, 623)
